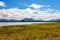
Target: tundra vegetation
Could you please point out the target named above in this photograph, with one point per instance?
(37, 31)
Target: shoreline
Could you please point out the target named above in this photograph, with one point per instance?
(20, 23)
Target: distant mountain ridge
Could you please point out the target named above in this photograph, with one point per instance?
(28, 20)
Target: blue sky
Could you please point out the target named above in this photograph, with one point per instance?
(36, 9)
(55, 4)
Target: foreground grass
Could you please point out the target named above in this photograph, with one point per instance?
(45, 31)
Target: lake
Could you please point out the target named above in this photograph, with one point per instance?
(17, 23)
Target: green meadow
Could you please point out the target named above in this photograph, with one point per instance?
(37, 31)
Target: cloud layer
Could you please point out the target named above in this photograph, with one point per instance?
(36, 13)
(2, 4)
(35, 6)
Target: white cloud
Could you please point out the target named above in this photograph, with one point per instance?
(48, 6)
(15, 13)
(2, 4)
(36, 6)
(19, 14)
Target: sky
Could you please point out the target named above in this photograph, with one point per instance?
(36, 9)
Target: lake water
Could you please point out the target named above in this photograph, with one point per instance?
(17, 23)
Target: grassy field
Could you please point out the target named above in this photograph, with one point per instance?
(43, 31)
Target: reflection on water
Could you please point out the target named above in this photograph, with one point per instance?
(17, 23)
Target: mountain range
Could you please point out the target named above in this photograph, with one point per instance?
(28, 20)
